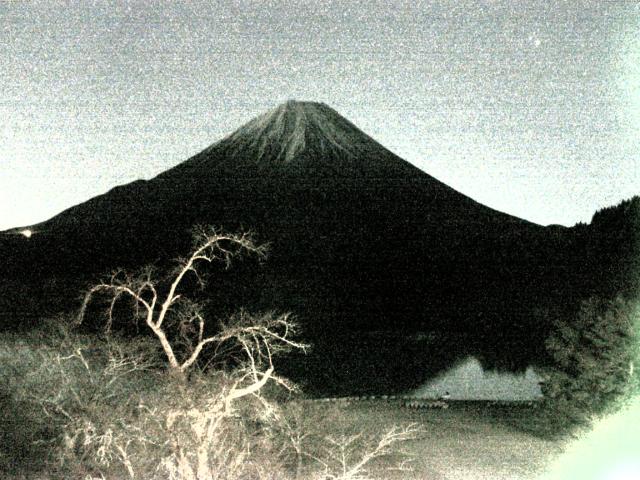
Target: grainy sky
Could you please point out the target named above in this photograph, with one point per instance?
(532, 108)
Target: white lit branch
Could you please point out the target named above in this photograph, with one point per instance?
(257, 337)
(345, 460)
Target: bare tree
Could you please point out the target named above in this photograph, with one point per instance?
(347, 459)
(259, 337)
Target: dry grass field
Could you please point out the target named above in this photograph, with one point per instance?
(467, 441)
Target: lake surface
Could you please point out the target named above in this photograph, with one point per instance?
(468, 381)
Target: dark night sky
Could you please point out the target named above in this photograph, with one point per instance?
(532, 108)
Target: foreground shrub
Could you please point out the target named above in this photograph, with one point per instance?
(24, 434)
(77, 405)
(52, 376)
(179, 432)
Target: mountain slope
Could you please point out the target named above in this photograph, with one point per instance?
(301, 144)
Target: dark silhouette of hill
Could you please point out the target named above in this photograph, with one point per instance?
(361, 241)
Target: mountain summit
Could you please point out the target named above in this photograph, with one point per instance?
(296, 139)
(289, 129)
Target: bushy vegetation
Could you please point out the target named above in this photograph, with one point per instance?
(53, 379)
(594, 358)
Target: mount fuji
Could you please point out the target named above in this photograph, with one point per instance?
(361, 242)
